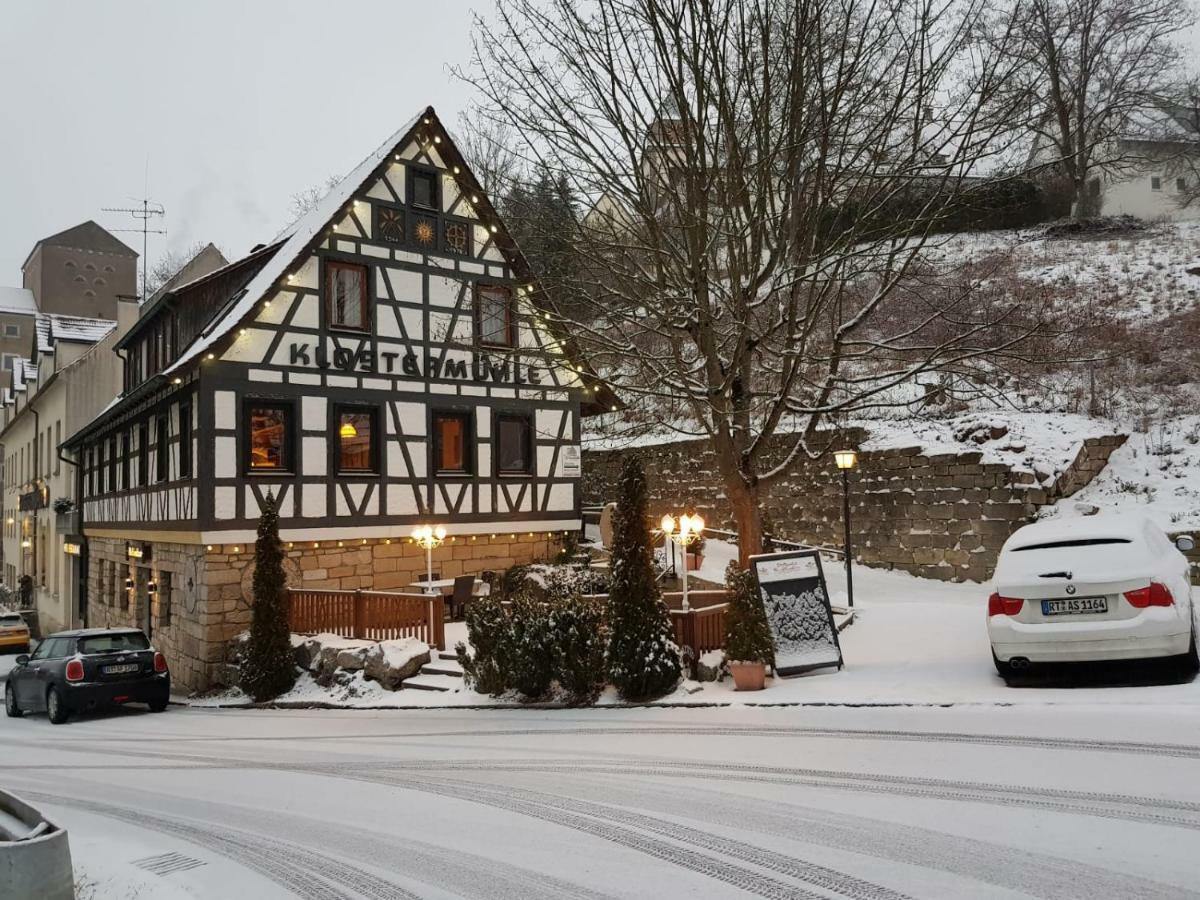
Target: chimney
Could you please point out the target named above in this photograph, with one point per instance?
(128, 312)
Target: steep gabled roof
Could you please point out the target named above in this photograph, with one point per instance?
(52, 327)
(17, 300)
(85, 236)
(297, 243)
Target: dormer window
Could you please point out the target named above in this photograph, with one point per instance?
(494, 325)
(346, 296)
(423, 188)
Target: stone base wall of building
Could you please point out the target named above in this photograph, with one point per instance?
(203, 595)
(942, 516)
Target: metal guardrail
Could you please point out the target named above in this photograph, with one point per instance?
(35, 855)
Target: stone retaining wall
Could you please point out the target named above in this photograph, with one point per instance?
(208, 599)
(941, 516)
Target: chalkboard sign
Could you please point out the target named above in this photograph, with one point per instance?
(797, 605)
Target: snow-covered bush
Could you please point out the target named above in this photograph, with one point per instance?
(643, 660)
(531, 646)
(580, 637)
(747, 633)
(487, 629)
(268, 669)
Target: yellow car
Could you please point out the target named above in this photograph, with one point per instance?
(14, 633)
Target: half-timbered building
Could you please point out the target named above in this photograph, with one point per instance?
(387, 363)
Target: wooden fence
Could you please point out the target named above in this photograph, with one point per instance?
(702, 627)
(369, 615)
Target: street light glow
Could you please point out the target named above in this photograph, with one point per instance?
(845, 459)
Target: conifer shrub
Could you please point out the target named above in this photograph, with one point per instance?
(531, 645)
(748, 635)
(580, 637)
(268, 668)
(487, 630)
(643, 660)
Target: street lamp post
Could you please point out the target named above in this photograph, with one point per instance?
(429, 537)
(686, 531)
(846, 460)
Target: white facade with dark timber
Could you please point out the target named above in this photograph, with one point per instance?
(413, 353)
(385, 364)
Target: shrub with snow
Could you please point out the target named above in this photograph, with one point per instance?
(748, 635)
(643, 660)
(268, 668)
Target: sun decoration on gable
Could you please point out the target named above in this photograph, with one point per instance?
(424, 232)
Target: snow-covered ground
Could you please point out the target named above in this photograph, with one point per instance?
(914, 641)
(1072, 803)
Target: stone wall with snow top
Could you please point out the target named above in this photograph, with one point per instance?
(938, 515)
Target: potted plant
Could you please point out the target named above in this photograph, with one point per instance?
(63, 505)
(749, 645)
(694, 556)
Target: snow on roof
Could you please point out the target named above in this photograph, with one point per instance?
(52, 327)
(17, 300)
(301, 235)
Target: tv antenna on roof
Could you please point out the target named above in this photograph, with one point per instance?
(148, 210)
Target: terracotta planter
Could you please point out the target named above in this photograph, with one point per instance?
(748, 676)
(694, 561)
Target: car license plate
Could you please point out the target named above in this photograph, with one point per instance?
(1073, 606)
(120, 670)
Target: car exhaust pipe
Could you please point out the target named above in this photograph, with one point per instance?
(1019, 663)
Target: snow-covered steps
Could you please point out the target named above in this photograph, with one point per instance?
(425, 682)
(443, 667)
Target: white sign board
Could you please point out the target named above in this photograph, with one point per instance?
(797, 605)
(570, 462)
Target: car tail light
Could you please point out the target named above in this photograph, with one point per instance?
(1154, 595)
(160, 663)
(74, 670)
(1004, 606)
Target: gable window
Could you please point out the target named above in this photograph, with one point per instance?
(493, 316)
(1155, 183)
(163, 455)
(514, 444)
(450, 443)
(346, 295)
(1181, 184)
(356, 438)
(389, 224)
(423, 188)
(268, 437)
(185, 440)
(143, 454)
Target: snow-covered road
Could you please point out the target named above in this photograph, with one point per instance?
(1082, 801)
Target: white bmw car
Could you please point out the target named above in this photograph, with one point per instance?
(1093, 588)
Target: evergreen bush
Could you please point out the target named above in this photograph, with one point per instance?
(531, 645)
(643, 661)
(268, 668)
(580, 637)
(487, 630)
(748, 635)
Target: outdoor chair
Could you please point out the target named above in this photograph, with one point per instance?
(464, 587)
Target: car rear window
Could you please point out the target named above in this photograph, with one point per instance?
(1082, 542)
(10, 619)
(113, 643)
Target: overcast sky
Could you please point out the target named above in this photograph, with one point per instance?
(233, 106)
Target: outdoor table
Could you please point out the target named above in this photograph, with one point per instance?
(444, 585)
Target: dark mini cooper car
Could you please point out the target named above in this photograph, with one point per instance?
(88, 668)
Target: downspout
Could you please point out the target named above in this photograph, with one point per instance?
(37, 462)
(82, 584)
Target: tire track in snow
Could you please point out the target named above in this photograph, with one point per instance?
(1140, 748)
(1037, 874)
(307, 873)
(602, 821)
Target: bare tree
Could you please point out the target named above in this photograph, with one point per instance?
(304, 201)
(490, 147)
(1094, 71)
(764, 178)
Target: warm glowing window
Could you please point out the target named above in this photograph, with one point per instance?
(346, 296)
(450, 432)
(493, 316)
(356, 440)
(268, 438)
(514, 446)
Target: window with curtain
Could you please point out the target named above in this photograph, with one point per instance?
(356, 439)
(268, 437)
(514, 445)
(493, 316)
(450, 449)
(346, 296)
